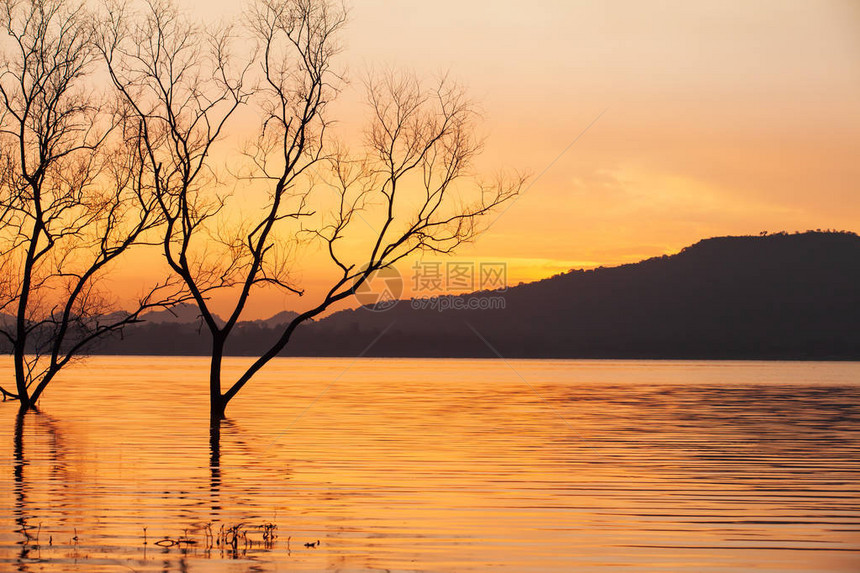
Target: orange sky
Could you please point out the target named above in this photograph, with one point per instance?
(721, 117)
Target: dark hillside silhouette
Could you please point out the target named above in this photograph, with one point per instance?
(778, 296)
(772, 297)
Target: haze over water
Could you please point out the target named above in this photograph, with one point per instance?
(439, 465)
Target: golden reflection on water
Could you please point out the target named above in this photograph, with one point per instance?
(434, 465)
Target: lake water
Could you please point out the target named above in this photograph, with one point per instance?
(437, 465)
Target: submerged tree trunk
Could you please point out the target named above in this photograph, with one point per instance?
(217, 403)
(217, 406)
(21, 330)
(21, 377)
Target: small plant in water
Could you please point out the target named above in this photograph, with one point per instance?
(234, 540)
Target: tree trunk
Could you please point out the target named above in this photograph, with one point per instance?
(21, 377)
(217, 403)
(21, 314)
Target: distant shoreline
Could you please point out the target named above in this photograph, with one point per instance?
(779, 297)
(493, 358)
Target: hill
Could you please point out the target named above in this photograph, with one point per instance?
(184, 313)
(764, 297)
(777, 297)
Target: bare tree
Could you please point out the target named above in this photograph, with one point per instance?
(70, 204)
(184, 85)
(181, 84)
(411, 187)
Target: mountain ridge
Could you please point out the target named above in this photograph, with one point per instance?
(778, 296)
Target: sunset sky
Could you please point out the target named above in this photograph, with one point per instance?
(718, 117)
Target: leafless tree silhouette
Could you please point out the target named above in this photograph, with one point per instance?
(410, 185)
(70, 204)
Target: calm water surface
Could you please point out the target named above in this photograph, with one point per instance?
(433, 465)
